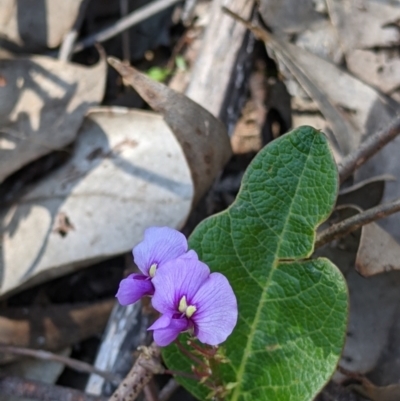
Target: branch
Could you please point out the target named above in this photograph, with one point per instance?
(50, 356)
(121, 25)
(24, 388)
(147, 364)
(367, 149)
(353, 223)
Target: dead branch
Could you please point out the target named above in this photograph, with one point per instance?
(19, 387)
(147, 364)
(353, 223)
(49, 356)
(367, 149)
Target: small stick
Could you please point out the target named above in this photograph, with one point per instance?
(169, 389)
(32, 389)
(49, 356)
(147, 364)
(126, 54)
(70, 38)
(367, 149)
(130, 20)
(353, 223)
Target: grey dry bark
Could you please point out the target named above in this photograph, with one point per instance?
(218, 78)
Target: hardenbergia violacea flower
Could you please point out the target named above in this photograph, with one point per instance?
(160, 244)
(192, 299)
(189, 297)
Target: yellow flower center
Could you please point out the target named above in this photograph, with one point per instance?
(188, 310)
(152, 270)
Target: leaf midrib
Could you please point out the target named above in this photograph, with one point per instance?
(253, 327)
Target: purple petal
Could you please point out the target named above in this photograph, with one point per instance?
(159, 245)
(190, 255)
(134, 287)
(165, 336)
(161, 323)
(177, 278)
(217, 312)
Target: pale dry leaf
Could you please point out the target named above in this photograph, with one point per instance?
(352, 108)
(127, 173)
(42, 105)
(289, 16)
(365, 24)
(379, 68)
(378, 252)
(370, 38)
(203, 138)
(33, 25)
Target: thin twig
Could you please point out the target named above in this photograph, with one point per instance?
(126, 54)
(70, 38)
(130, 20)
(169, 389)
(49, 356)
(147, 364)
(353, 223)
(367, 149)
(18, 387)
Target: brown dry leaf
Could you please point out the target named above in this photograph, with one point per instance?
(203, 138)
(127, 173)
(33, 25)
(52, 328)
(42, 105)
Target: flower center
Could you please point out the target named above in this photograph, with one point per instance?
(188, 310)
(152, 271)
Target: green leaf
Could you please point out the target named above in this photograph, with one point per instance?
(292, 310)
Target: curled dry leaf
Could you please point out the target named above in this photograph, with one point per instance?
(33, 25)
(203, 138)
(127, 173)
(52, 328)
(42, 105)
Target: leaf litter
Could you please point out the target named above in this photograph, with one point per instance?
(342, 74)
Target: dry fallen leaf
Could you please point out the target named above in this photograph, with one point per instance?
(42, 105)
(203, 138)
(127, 173)
(378, 252)
(370, 37)
(33, 25)
(352, 108)
(52, 328)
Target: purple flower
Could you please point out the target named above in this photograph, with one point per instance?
(190, 298)
(160, 245)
